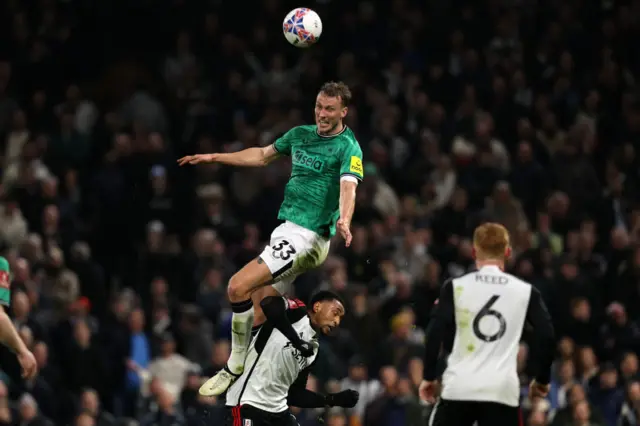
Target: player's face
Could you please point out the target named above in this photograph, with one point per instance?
(329, 114)
(327, 315)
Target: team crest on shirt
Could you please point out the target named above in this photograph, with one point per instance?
(248, 422)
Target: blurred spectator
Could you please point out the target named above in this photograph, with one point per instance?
(358, 380)
(630, 412)
(607, 395)
(90, 404)
(166, 413)
(170, 368)
(29, 412)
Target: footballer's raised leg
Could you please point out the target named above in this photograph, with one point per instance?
(242, 285)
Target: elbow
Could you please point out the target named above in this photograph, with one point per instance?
(272, 306)
(293, 399)
(348, 187)
(551, 337)
(268, 301)
(266, 155)
(546, 336)
(347, 197)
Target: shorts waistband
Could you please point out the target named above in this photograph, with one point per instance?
(251, 411)
(302, 230)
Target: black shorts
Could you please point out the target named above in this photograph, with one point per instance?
(247, 415)
(466, 413)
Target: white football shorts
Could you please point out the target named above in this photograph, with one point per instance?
(292, 251)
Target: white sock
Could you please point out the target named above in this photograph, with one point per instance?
(241, 324)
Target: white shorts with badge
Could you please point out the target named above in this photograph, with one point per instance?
(292, 251)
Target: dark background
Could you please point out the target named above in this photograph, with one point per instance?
(524, 112)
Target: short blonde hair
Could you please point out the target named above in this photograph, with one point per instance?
(490, 241)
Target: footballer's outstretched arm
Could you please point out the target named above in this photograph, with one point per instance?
(250, 157)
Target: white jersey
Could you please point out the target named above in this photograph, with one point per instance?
(272, 365)
(490, 310)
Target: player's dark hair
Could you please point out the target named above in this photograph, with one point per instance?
(324, 296)
(338, 89)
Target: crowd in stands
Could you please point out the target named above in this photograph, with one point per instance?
(524, 112)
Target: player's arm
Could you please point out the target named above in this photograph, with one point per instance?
(442, 318)
(275, 310)
(250, 157)
(347, 199)
(351, 172)
(301, 397)
(9, 335)
(543, 334)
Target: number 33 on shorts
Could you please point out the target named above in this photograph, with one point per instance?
(283, 250)
(293, 250)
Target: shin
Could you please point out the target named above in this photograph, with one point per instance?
(241, 286)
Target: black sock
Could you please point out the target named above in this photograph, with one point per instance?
(240, 307)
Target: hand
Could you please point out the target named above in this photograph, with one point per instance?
(345, 232)
(197, 159)
(346, 399)
(28, 363)
(537, 390)
(427, 391)
(305, 348)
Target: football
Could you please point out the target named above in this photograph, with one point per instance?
(302, 27)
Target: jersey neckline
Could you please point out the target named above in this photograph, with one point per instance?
(344, 129)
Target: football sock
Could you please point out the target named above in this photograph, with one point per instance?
(255, 330)
(241, 323)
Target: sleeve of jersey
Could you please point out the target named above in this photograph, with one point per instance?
(5, 291)
(277, 308)
(442, 317)
(283, 144)
(351, 167)
(296, 310)
(301, 397)
(544, 335)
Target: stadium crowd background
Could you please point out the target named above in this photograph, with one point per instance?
(520, 111)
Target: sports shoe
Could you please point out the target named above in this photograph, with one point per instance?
(219, 383)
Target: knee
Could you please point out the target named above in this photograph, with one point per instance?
(237, 290)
